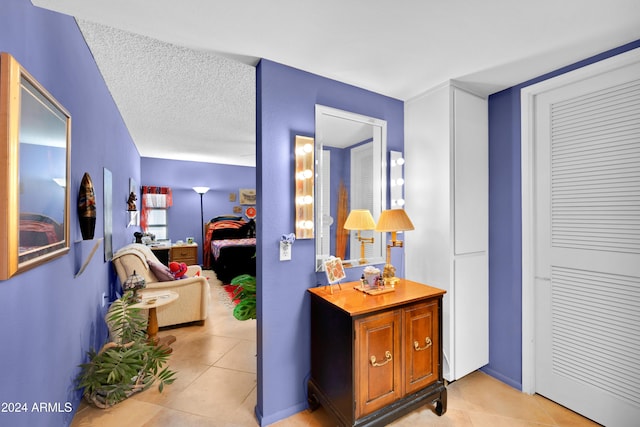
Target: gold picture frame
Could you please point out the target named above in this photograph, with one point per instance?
(247, 196)
(35, 134)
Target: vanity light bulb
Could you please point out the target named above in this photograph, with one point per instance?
(308, 225)
(399, 181)
(307, 200)
(307, 173)
(307, 148)
(400, 202)
(400, 161)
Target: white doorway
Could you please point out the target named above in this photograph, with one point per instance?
(365, 196)
(581, 240)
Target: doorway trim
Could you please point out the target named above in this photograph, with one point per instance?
(527, 140)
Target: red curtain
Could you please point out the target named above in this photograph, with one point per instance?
(154, 197)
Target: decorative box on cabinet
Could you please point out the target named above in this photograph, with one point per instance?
(187, 253)
(375, 358)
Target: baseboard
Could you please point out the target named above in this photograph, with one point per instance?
(497, 375)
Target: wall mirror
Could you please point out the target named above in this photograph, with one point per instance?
(350, 174)
(35, 135)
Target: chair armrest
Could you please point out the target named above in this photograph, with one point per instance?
(192, 270)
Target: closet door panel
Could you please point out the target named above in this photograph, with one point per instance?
(471, 325)
(471, 173)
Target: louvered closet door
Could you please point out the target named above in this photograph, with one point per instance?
(588, 246)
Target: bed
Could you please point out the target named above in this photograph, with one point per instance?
(38, 230)
(230, 247)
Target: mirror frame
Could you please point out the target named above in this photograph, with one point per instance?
(11, 261)
(321, 111)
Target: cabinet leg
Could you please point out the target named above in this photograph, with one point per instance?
(313, 402)
(441, 403)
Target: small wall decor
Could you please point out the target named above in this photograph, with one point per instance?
(232, 197)
(132, 208)
(87, 207)
(286, 241)
(237, 209)
(247, 196)
(131, 202)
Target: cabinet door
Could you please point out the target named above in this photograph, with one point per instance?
(421, 346)
(378, 361)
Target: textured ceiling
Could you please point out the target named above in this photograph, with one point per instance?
(396, 48)
(177, 103)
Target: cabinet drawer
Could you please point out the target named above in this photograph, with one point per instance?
(378, 361)
(186, 254)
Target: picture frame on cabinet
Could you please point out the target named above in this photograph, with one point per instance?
(334, 269)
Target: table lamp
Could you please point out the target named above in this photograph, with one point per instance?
(361, 219)
(393, 220)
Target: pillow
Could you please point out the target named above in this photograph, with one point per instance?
(161, 271)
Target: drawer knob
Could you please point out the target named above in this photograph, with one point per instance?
(387, 359)
(427, 342)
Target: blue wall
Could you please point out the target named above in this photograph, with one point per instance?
(48, 319)
(505, 226)
(286, 100)
(181, 176)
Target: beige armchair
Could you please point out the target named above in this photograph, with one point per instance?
(193, 291)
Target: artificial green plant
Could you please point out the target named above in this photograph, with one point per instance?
(126, 365)
(246, 294)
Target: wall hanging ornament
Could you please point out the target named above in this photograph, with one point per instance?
(87, 207)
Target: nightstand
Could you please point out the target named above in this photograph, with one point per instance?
(187, 253)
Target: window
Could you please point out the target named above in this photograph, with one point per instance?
(157, 223)
(155, 202)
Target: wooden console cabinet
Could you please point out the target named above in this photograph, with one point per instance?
(375, 358)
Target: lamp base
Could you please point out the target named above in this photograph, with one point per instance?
(391, 281)
(389, 271)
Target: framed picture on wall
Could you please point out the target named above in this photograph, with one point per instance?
(108, 213)
(247, 196)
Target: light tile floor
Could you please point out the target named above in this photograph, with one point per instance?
(216, 386)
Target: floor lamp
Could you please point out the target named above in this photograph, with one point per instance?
(201, 191)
